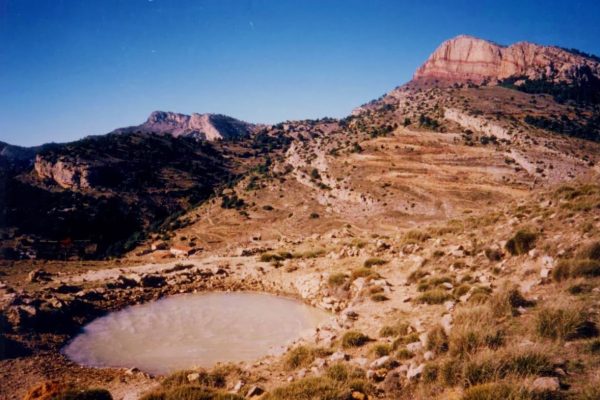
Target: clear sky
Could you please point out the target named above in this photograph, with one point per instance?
(70, 68)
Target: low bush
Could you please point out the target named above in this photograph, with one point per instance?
(370, 262)
(378, 297)
(488, 366)
(521, 242)
(416, 236)
(214, 379)
(381, 349)
(303, 356)
(590, 251)
(437, 340)
(311, 388)
(84, 394)
(337, 279)
(434, 296)
(190, 392)
(566, 323)
(507, 300)
(496, 391)
(354, 339)
(400, 328)
(342, 372)
(575, 267)
(363, 273)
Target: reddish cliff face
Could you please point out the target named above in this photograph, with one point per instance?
(466, 58)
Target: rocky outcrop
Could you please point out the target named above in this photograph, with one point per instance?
(201, 126)
(67, 173)
(466, 58)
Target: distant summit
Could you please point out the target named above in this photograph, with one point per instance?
(466, 58)
(201, 126)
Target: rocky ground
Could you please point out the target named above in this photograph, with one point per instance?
(408, 294)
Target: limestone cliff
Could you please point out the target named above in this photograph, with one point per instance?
(466, 58)
(201, 126)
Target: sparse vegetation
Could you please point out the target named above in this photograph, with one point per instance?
(521, 242)
(354, 339)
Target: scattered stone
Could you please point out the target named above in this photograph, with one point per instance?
(428, 355)
(545, 384)
(255, 391)
(415, 371)
(446, 323)
(39, 275)
(380, 362)
(338, 356)
(237, 387)
(193, 377)
(414, 347)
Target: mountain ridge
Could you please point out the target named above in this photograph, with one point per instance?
(467, 58)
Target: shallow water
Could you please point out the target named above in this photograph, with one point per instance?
(189, 330)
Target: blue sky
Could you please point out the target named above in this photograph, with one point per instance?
(70, 68)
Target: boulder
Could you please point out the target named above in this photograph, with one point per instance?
(545, 384)
(39, 275)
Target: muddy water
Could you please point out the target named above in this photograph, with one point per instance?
(189, 330)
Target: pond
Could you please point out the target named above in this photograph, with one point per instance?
(190, 330)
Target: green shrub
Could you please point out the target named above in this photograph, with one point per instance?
(594, 346)
(381, 349)
(363, 273)
(400, 328)
(434, 296)
(521, 242)
(374, 261)
(496, 391)
(84, 394)
(379, 297)
(430, 372)
(337, 279)
(404, 354)
(507, 300)
(416, 236)
(310, 388)
(564, 323)
(580, 288)
(341, 372)
(461, 290)
(437, 340)
(590, 252)
(354, 339)
(303, 356)
(575, 267)
(450, 372)
(215, 379)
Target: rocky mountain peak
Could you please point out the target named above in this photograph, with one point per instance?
(467, 58)
(202, 126)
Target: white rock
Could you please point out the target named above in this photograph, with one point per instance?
(360, 361)
(415, 371)
(414, 346)
(428, 355)
(237, 387)
(338, 356)
(380, 362)
(545, 384)
(446, 323)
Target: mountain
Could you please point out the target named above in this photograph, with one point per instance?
(201, 126)
(450, 227)
(466, 58)
(428, 149)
